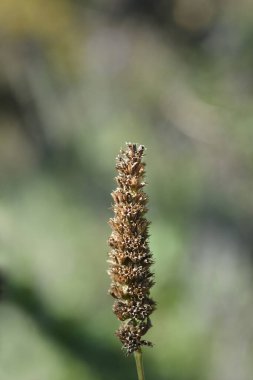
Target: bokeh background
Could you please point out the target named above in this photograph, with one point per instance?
(77, 80)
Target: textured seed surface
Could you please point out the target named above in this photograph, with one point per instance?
(130, 258)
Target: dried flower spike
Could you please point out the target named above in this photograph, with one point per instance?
(130, 258)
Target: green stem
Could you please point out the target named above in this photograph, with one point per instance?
(139, 364)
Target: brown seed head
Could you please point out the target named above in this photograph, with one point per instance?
(130, 258)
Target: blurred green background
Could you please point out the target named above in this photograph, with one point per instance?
(77, 80)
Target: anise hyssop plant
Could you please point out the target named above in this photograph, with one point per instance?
(130, 257)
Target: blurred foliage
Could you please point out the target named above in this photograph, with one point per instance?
(77, 80)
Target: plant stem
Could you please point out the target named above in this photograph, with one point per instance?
(139, 364)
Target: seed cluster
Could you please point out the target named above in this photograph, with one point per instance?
(130, 258)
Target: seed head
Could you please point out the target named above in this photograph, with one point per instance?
(130, 258)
